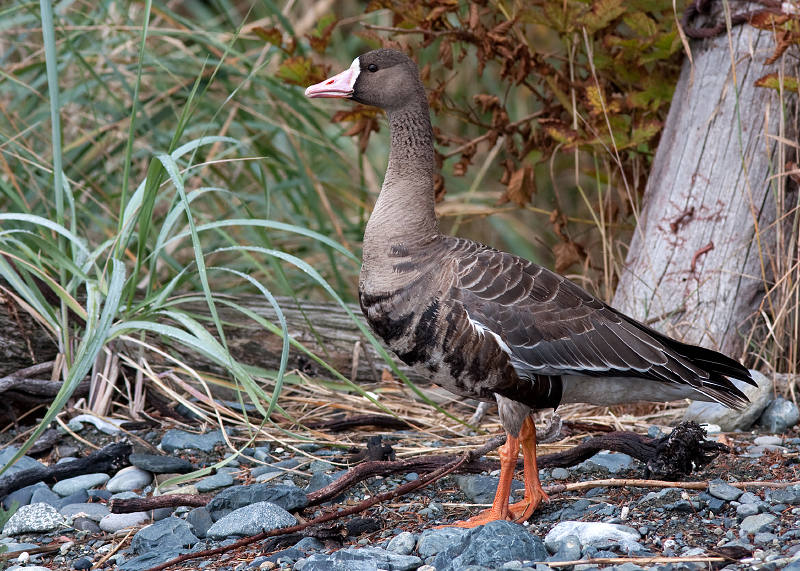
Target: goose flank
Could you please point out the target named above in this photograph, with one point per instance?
(489, 325)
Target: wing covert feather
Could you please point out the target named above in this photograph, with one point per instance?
(553, 327)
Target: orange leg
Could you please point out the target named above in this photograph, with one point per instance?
(534, 494)
(499, 510)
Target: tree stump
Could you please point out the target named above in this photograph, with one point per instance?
(703, 253)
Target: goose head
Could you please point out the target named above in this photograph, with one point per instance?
(388, 79)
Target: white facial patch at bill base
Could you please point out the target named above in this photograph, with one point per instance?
(355, 69)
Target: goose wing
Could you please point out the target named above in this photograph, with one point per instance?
(550, 326)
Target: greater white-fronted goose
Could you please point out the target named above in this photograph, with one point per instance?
(489, 325)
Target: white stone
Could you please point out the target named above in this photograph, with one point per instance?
(590, 532)
(114, 522)
(128, 479)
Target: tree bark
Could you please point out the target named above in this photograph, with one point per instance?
(702, 255)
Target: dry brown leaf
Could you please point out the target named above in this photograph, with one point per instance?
(521, 186)
(559, 222)
(568, 253)
(446, 54)
(486, 102)
(768, 20)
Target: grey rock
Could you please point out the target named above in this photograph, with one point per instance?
(158, 464)
(99, 495)
(290, 498)
(612, 462)
(95, 512)
(716, 505)
(44, 495)
(724, 491)
(261, 470)
(749, 498)
(402, 543)
(320, 466)
(24, 463)
(250, 520)
(289, 464)
(789, 496)
(318, 562)
(219, 480)
(28, 568)
(763, 538)
(667, 495)
(151, 559)
(20, 546)
(757, 523)
(569, 549)
(200, 520)
(492, 545)
(175, 439)
(291, 554)
(560, 473)
(309, 544)
(591, 533)
(436, 540)
(728, 419)
(24, 496)
(170, 533)
(746, 510)
(85, 524)
(128, 479)
(317, 482)
(755, 451)
(161, 513)
(114, 522)
(482, 489)
(85, 482)
(367, 558)
(779, 416)
(79, 497)
(33, 518)
(768, 440)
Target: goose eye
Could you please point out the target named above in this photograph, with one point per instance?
(372, 68)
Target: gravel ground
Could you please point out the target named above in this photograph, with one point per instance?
(401, 534)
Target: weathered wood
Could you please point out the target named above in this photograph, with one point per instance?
(110, 458)
(334, 337)
(696, 266)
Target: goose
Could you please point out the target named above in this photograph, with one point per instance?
(489, 325)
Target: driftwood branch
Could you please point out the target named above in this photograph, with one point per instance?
(249, 343)
(110, 458)
(134, 505)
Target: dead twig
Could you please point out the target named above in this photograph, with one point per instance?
(380, 420)
(466, 458)
(134, 505)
